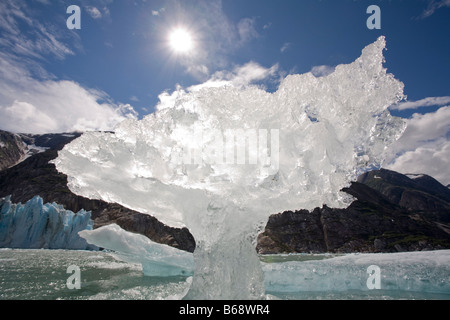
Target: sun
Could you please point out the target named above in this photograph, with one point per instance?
(181, 41)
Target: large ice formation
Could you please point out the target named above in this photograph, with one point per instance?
(35, 225)
(221, 160)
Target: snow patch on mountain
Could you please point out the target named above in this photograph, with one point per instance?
(414, 176)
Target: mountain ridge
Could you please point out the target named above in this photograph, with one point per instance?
(388, 215)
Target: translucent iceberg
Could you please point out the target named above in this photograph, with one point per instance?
(156, 259)
(36, 225)
(184, 163)
(420, 272)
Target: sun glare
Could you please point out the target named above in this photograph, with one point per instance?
(181, 41)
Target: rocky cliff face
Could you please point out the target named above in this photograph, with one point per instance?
(12, 149)
(413, 192)
(391, 213)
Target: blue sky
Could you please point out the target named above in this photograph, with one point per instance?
(53, 79)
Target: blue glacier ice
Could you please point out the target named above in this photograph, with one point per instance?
(35, 225)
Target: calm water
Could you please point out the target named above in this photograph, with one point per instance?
(43, 274)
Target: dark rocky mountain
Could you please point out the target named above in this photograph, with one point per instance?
(12, 149)
(15, 148)
(392, 212)
(412, 191)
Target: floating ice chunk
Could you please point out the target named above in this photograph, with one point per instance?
(408, 271)
(156, 259)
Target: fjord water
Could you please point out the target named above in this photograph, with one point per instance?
(42, 275)
(177, 165)
(27, 274)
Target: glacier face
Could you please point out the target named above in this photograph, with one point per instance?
(170, 164)
(36, 225)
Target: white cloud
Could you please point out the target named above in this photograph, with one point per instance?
(25, 115)
(32, 100)
(244, 75)
(246, 29)
(285, 46)
(321, 71)
(158, 12)
(94, 12)
(424, 128)
(426, 102)
(97, 9)
(33, 38)
(11, 13)
(434, 5)
(426, 160)
(424, 146)
(34, 106)
(252, 72)
(198, 71)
